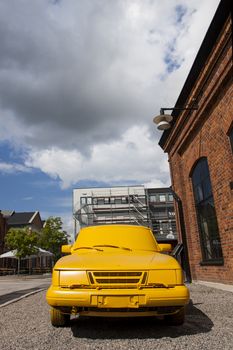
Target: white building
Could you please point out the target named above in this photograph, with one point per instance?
(134, 205)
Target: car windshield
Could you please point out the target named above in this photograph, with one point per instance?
(118, 236)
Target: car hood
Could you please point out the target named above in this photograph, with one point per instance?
(96, 260)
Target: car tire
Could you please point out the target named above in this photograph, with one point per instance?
(176, 319)
(59, 319)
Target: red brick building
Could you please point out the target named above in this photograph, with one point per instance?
(11, 219)
(200, 149)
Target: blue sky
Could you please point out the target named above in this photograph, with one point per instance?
(31, 190)
(80, 82)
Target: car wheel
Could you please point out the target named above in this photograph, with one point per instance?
(176, 319)
(59, 319)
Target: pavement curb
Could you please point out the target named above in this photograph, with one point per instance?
(220, 286)
(21, 297)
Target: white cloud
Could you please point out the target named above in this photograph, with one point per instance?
(76, 72)
(68, 224)
(135, 157)
(156, 183)
(81, 80)
(9, 168)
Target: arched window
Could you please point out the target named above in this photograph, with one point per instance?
(231, 137)
(206, 215)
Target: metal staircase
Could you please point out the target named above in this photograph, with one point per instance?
(109, 210)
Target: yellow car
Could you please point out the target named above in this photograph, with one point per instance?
(117, 271)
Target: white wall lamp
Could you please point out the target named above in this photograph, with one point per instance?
(163, 120)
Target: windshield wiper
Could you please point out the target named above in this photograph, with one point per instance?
(111, 246)
(100, 250)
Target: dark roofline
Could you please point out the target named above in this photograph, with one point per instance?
(159, 189)
(21, 218)
(219, 19)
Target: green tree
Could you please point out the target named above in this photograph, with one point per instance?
(53, 237)
(24, 241)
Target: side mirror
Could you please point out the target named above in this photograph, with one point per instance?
(165, 247)
(66, 248)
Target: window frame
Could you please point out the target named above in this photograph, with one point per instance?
(201, 199)
(162, 195)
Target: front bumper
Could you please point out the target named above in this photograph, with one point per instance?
(93, 302)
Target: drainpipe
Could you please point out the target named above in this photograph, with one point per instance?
(185, 263)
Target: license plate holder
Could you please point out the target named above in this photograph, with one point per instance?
(118, 301)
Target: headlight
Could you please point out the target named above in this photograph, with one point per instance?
(166, 277)
(73, 279)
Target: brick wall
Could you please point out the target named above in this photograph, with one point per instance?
(204, 133)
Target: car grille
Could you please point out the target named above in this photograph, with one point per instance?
(119, 279)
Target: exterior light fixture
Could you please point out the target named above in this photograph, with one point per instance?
(163, 120)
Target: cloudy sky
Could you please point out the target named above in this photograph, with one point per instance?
(80, 81)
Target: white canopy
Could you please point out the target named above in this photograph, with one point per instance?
(12, 254)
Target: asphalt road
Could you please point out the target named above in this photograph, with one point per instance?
(209, 325)
(14, 287)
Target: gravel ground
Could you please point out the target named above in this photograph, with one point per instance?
(209, 325)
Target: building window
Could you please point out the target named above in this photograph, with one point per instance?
(106, 200)
(162, 198)
(124, 200)
(100, 201)
(170, 198)
(158, 212)
(152, 199)
(206, 215)
(118, 200)
(89, 200)
(83, 200)
(231, 138)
